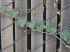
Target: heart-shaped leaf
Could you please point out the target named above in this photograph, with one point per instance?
(13, 12)
(41, 26)
(65, 35)
(41, 23)
(14, 15)
(68, 36)
(68, 41)
(66, 32)
(62, 35)
(51, 29)
(31, 24)
(38, 28)
(2, 9)
(22, 22)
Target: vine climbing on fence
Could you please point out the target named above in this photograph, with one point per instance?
(51, 29)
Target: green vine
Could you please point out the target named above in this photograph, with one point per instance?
(41, 26)
(13, 13)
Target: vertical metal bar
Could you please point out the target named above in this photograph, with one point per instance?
(28, 19)
(44, 18)
(58, 22)
(13, 6)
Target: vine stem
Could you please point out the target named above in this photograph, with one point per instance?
(61, 40)
(5, 14)
(18, 18)
(41, 31)
(56, 37)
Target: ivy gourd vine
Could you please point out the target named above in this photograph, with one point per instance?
(41, 26)
(13, 12)
(31, 24)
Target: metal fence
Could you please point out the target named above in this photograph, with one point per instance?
(16, 39)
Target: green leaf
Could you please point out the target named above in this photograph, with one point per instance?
(68, 41)
(68, 36)
(22, 22)
(65, 35)
(62, 35)
(41, 26)
(38, 28)
(51, 29)
(66, 32)
(31, 24)
(27, 24)
(2, 9)
(14, 15)
(13, 12)
(41, 23)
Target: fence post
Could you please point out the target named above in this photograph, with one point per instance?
(50, 11)
(6, 34)
(65, 20)
(37, 37)
(21, 45)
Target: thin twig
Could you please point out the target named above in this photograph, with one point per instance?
(60, 40)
